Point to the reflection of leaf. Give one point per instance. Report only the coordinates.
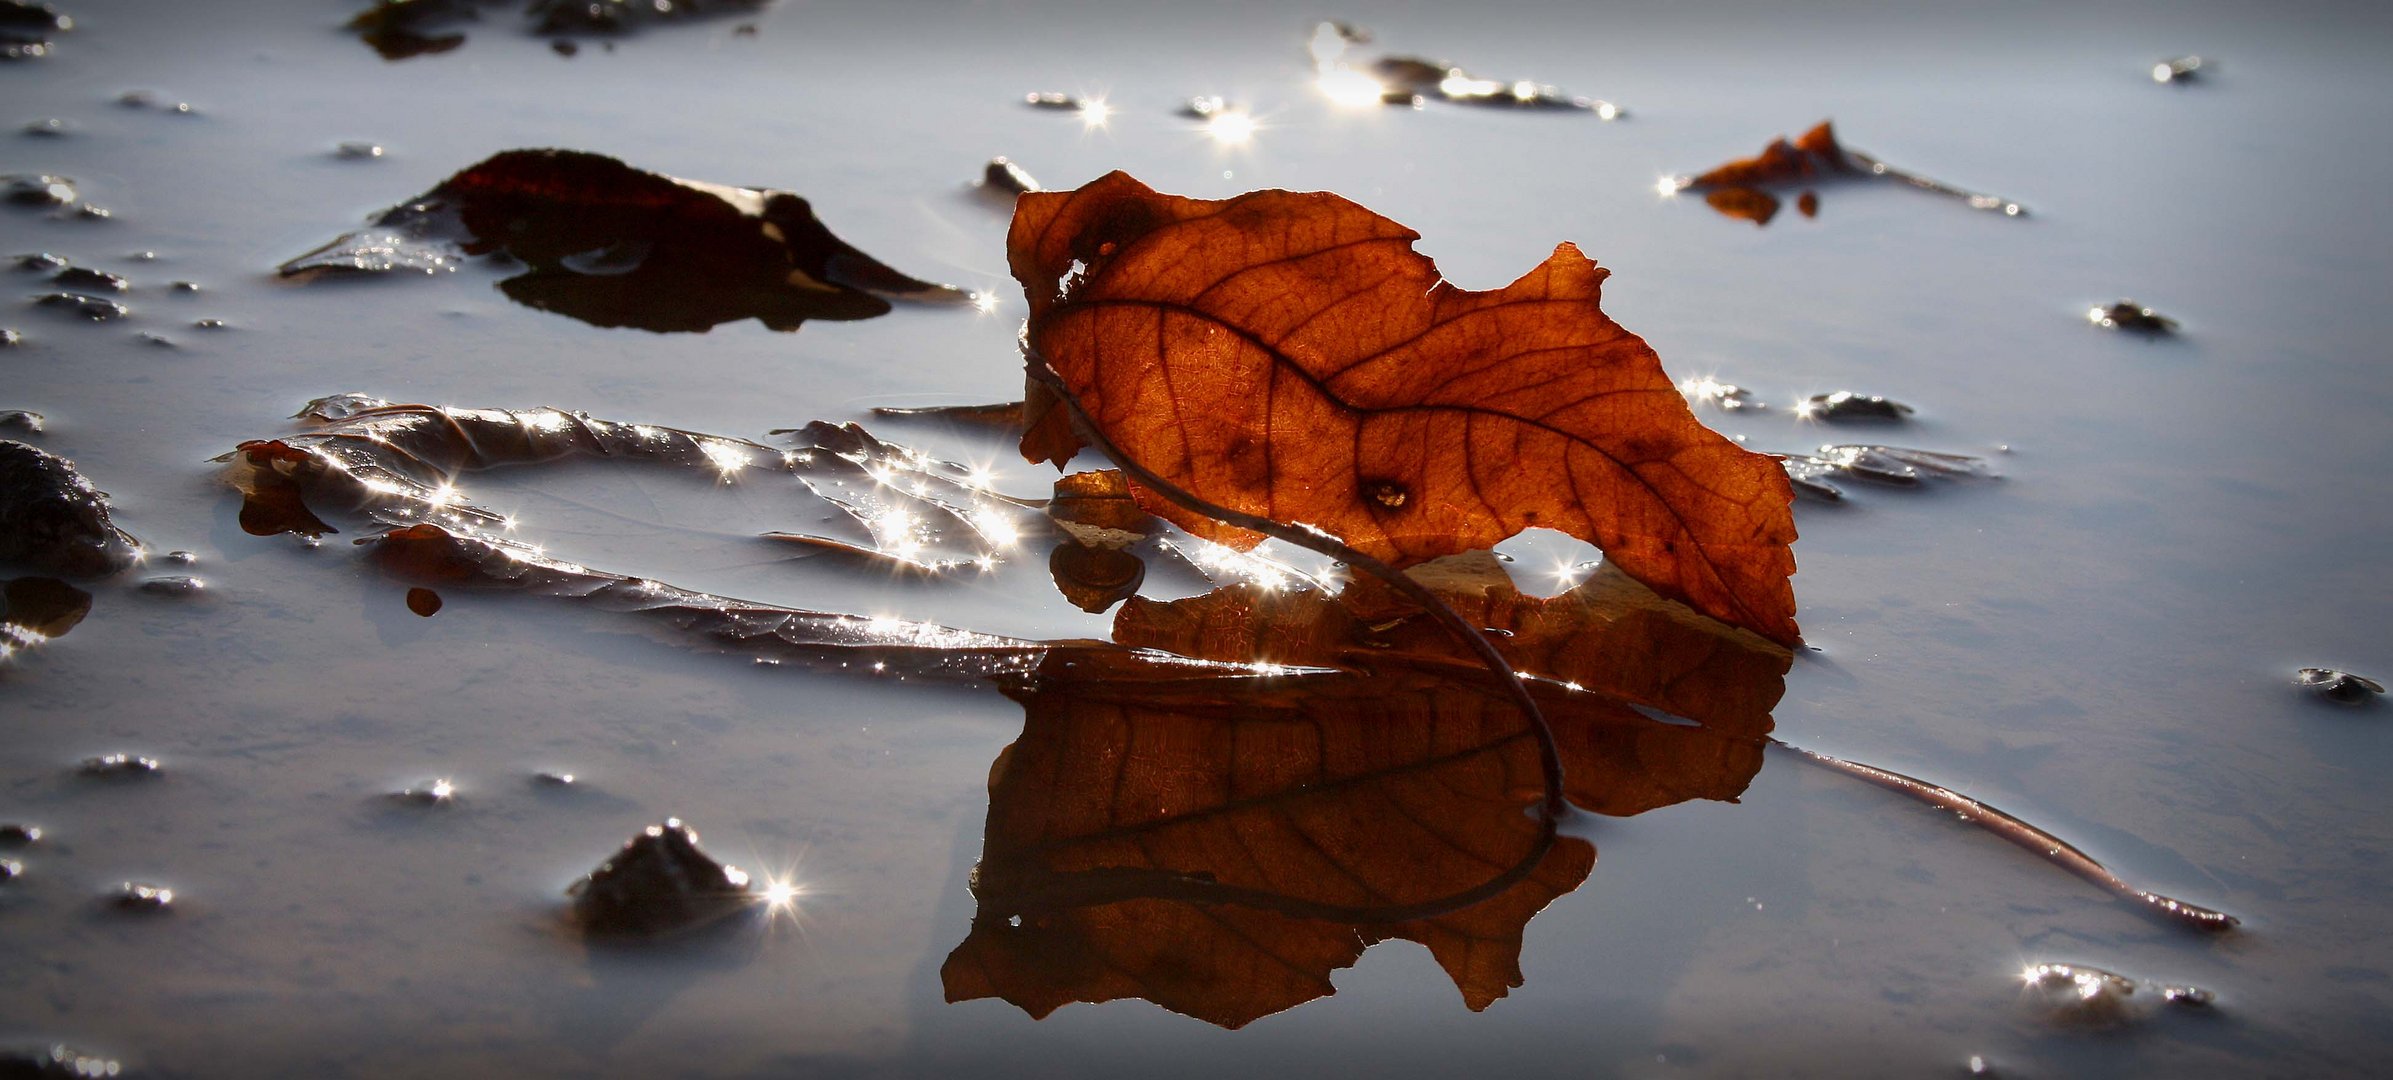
(1290, 356)
(1220, 846)
(612, 245)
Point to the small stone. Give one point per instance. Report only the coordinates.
(137, 99)
(564, 48)
(2188, 997)
(41, 261)
(17, 834)
(94, 213)
(10, 870)
(1051, 100)
(658, 883)
(1002, 175)
(174, 586)
(2341, 687)
(120, 767)
(545, 778)
(84, 277)
(158, 340)
(89, 307)
(48, 129)
(38, 190)
(185, 286)
(2183, 69)
(141, 897)
(2077, 995)
(181, 558)
(21, 420)
(2129, 315)
(357, 151)
(435, 793)
(143, 256)
(10, 339)
(211, 324)
(1847, 405)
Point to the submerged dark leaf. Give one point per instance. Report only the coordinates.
(612, 245)
(53, 520)
(1895, 465)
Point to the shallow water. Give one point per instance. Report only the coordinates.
(2101, 641)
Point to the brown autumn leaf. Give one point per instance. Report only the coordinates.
(1815, 154)
(1290, 356)
(1739, 188)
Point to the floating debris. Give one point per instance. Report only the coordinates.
(41, 262)
(141, 898)
(210, 324)
(612, 245)
(22, 420)
(120, 767)
(439, 792)
(659, 883)
(48, 129)
(423, 601)
(1004, 177)
(54, 520)
(1845, 405)
(83, 277)
(1053, 100)
(356, 151)
(97, 309)
(1737, 188)
(2183, 69)
(2129, 315)
(1406, 79)
(174, 586)
(545, 778)
(2342, 687)
(1002, 416)
(16, 834)
(37, 190)
(2188, 997)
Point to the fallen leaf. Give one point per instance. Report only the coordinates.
(612, 245)
(1290, 356)
(1739, 188)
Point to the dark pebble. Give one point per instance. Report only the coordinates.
(1847, 405)
(141, 897)
(658, 883)
(174, 586)
(120, 766)
(94, 213)
(40, 261)
(357, 151)
(2188, 997)
(1051, 100)
(39, 190)
(19, 834)
(2338, 686)
(10, 870)
(57, 1061)
(1004, 175)
(21, 420)
(84, 277)
(9, 338)
(565, 48)
(185, 286)
(210, 324)
(159, 340)
(48, 129)
(545, 778)
(431, 793)
(181, 558)
(2129, 315)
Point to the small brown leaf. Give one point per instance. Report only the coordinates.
(1290, 356)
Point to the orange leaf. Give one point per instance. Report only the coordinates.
(1290, 356)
